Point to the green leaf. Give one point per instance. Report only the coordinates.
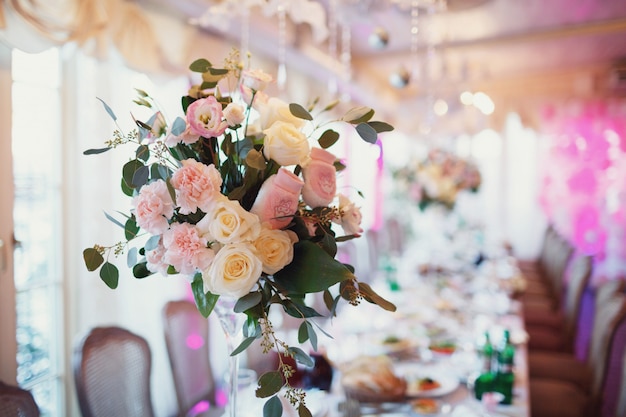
(204, 302)
(142, 153)
(131, 229)
(243, 346)
(303, 411)
(108, 109)
(200, 65)
(93, 259)
(131, 257)
(358, 115)
(126, 189)
(328, 139)
(110, 275)
(380, 127)
(331, 105)
(299, 111)
(95, 151)
(129, 170)
(312, 270)
(299, 310)
(371, 296)
(179, 126)
(108, 216)
(171, 190)
(273, 407)
(367, 133)
(248, 301)
(141, 93)
(302, 357)
(269, 384)
(312, 335)
(141, 270)
(255, 159)
(303, 333)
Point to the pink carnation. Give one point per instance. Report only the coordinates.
(153, 207)
(186, 250)
(155, 262)
(205, 117)
(197, 186)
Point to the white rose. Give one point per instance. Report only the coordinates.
(351, 216)
(234, 271)
(285, 144)
(275, 248)
(234, 114)
(227, 222)
(274, 110)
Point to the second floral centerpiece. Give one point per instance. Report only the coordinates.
(239, 195)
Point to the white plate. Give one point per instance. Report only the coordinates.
(448, 383)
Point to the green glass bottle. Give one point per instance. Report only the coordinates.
(486, 379)
(505, 378)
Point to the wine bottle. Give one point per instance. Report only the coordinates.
(485, 381)
(505, 377)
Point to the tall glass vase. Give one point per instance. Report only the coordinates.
(231, 323)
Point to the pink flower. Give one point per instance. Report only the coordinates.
(351, 217)
(234, 114)
(186, 250)
(197, 186)
(320, 185)
(255, 79)
(153, 207)
(155, 262)
(205, 117)
(277, 200)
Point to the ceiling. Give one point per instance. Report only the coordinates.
(515, 51)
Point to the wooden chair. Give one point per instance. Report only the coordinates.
(112, 369)
(621, 405)
(187, 341)
(17, 402)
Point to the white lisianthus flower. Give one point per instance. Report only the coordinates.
(275, 248)
(234, 270)
(285, 144)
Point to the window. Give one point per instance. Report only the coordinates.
(37, 162)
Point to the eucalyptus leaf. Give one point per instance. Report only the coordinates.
(152, 243)
(303, 411)
(243, 346)
(331, 105)
(142, 153)
(380, 126)
(299, 111)
(204, 301)
(370, 295)
(171, 190)
(303, 333)
(131, 229)
(301, 357)
(93, 258)
(95, 151)
(131, 257)
(141, 93)
(141, 176)
(273, 407)
(312, 335)
(247, 301)
(129, 169)
(200, 65)
(179, 126)
(358, 115)
(328, 139)
(108, 109)
(312, 270)
(218, 71)
(269, 384)
(141, 270)
(110, 275)
(367, 133)
(255, 159)
(126, 189)
(210, 78)
(108, 216)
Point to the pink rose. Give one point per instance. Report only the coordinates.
(320, 185)
(153, 207)
(197, 186)
(351, 216)
(205, 117)
(186, 250)
(278, 197)
(155, 260)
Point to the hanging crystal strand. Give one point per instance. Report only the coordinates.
(428, 64)
(245, 33)
(332, 44)
(414, 39)
(281, 77)
(346, 59)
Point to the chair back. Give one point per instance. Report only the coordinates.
(112, 369)
(621, 404)
(187, 341)
(579, 276)
(17, 402)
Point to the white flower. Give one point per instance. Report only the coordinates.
(285, 144)
(227, 222)
(275, 248)
(234, 114)
(234, 270)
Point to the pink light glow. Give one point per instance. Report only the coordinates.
(194, 341)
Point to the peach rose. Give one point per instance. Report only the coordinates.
(205, 117)
(285, 144)
(278, 197)
(228, 222)
(275, 248)
(186, 250)
(351, 216)
(234, 271)
(320, 179)
(197, 186)
(153, 207)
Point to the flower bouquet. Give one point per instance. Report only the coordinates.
(240, 196)
(438, 179)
